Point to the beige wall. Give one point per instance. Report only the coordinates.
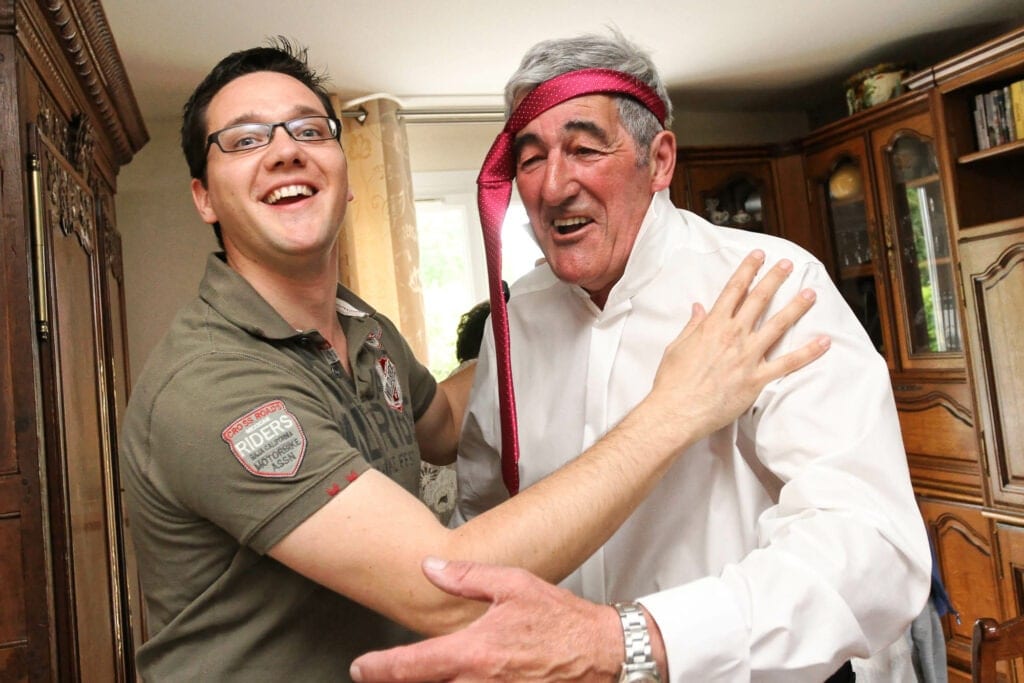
(738, 128)
(165, 243)
(449, 146)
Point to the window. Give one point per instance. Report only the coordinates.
(453, 270)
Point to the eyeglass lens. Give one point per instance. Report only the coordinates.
(246, 136)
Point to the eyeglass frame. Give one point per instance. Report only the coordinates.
(332, 122)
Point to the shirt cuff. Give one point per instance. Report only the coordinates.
(705, 635)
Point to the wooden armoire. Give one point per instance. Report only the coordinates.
(69, 601)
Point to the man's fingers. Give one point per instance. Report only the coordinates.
(432, 661)
(794, 360)
(736, 288)
(758, 299)
(697, 316)
(772, 329)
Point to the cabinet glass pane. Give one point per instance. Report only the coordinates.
(922, 239)
(736, 204)
(848, 220)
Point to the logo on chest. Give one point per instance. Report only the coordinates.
(389, 384)
(268, 441)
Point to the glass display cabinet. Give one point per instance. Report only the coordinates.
(729, 187)
(840, 176)
(880, 199)
(918, 245)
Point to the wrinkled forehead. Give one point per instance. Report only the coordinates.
(596, 115)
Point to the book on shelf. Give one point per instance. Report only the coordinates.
(999, 115)
(1017, 96)
(992, 107)
(1009, 129)
(981, 122)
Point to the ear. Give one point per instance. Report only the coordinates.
(663, 160)
(201, 198)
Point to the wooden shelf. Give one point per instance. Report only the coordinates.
(922, 181)
(1009, 149)
(847, 201)
(856, 271)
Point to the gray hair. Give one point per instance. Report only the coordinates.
(551, 58)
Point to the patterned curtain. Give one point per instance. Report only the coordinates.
(379, 256)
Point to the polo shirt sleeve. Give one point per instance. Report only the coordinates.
(249, 446)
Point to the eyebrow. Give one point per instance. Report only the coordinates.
(297, 111)
(574, 125)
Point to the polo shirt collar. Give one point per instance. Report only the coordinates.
(233, 297)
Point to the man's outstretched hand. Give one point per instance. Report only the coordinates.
(533, 631)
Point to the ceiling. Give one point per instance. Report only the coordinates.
(714, 54)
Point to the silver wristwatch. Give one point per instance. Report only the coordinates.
(639, 665)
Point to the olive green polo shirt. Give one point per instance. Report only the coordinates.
(239, 429)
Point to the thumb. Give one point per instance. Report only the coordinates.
(697, 316)
(464, 579)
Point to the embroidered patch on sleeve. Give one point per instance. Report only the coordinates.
(268, 441)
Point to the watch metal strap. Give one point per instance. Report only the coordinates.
(639, 657)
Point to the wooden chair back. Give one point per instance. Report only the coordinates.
(993, 642)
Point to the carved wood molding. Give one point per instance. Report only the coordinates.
(67, 198)
(998, 270)
(79, 29)
(936, 399)
(949, 523)
(111, 239)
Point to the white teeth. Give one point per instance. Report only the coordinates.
(568, 222)
(288, 191)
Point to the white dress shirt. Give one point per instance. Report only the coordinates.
(773, 550)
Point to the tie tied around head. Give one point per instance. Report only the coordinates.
(495, 190)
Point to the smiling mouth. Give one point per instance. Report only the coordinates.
(567, 226)
(289, 194)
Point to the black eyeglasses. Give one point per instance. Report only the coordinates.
(246, 136)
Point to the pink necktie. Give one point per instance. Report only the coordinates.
(495, 190)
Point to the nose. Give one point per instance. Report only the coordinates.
(283, 148)
(560, 183)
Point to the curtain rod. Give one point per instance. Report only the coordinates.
(466, 115)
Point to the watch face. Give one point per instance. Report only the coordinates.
(640, 677)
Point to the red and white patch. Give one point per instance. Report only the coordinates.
(268, 441)
(389, 383)
(372, 340)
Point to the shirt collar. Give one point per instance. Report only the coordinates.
(646, 258)
(233, 297)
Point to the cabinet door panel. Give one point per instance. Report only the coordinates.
(12, 588)
(76, 449)
(938, 426)
(993, 274)
(919, 251)
(968, 565)
(844, 204)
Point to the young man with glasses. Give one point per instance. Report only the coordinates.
(272, 444)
